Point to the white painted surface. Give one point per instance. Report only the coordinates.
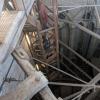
(1, 5)
(15, 72)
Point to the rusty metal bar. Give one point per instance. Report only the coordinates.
(77, 67)
(78, 55)
(55, 14)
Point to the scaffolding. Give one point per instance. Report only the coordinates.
(47, 53)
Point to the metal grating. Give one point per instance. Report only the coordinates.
(6, 21)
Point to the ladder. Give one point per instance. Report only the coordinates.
(35, 82)
(44, 42)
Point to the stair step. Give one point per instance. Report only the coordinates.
(50, 59)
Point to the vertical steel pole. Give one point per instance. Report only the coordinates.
(55, 14)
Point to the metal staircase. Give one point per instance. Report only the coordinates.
(11, 27)
(44, 41)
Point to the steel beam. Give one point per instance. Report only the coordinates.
(77, 67)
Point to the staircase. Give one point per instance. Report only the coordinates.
(44, 40)
(11, 27)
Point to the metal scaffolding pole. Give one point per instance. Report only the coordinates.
(95, 35)
(59, 70)
(74, 84)
(69, 69)
(69, 8)
(92, 82)
(77, 67)
(81, 57)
